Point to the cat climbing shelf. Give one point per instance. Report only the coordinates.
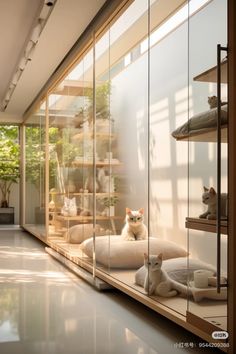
(207, 136)
(205, 225)
(90, 135)
(210, 75)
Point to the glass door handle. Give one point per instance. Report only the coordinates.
(218, 215)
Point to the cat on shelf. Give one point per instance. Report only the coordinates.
(212, 101)
(209, 197)
(134, 228)
(69, 208)
(157, 281)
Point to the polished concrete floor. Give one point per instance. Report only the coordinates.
(46, 309)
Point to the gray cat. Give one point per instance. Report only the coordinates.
(209, 197)
(134, 228)
(157, 281)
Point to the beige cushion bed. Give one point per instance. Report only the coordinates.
(181, 270)
(81, 232)
(113, 251)
(200, 122)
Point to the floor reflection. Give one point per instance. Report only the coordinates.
(46, 309)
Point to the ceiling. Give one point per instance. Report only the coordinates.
(67, 21)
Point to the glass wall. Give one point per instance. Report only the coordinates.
(168, 107)
(123, 131)
(35, 173)
(205, 159)
(71, 157)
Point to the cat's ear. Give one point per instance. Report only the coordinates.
(145, 256)
(128, 210)
(141, 211)
(205, 189)
(212, 191)
(160, 256)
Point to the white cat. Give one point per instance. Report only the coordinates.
(157, 281)
(90, 183)
(209, 197)
(106, 182)
(134, 228)
(69, 208)
(212, 101)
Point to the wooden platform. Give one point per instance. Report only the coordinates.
(206, 225)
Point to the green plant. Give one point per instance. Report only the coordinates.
(109, 201)
(61, 150)
(9, 162)
(102, 100)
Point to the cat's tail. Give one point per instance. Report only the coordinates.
(181, 288)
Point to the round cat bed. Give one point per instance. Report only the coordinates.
(181, 270)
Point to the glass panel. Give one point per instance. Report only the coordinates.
(168, 159)
(122, 142)
(71, 160)
(35, 173)
(203, 40)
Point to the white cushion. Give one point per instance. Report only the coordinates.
(115, 252)
(201, 121)
(79, 233)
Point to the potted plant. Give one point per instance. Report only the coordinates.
(9, 169)
(109, 204)
(102, 99)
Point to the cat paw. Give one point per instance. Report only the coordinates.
(174, 292)
(203, 216)
(211, 217)
(151, 291)
(141, 238)
(128, 238)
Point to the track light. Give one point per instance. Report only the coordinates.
(16, 77)
(36, 32)
(22, 63)
(49, 2)
(29, 49)
(44, 12)
(31, 53)
(8, 95)
(4, 105)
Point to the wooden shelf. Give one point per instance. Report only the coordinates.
(90, 135)
(208, 323)
(74, 88)
(206, 225)
(86, 218)
(210, 75)
(98, 164)
(89, 194)
(207, 135)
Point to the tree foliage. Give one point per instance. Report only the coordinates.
(9, 161)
